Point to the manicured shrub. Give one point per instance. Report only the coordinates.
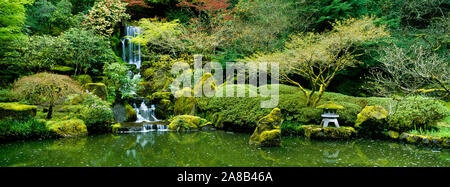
(242, 113)
(23, 129)
(45, 89)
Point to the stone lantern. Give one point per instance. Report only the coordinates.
(329, 113)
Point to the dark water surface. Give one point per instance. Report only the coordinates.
(214, 148)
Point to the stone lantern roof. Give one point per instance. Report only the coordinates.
(331, 105)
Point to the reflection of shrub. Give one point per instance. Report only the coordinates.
(45, 89)
(96, 114)
(22, 129)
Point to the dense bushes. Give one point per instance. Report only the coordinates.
(96, 114)
(244, 112)
(23, 129)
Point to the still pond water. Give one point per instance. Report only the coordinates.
(214, 148)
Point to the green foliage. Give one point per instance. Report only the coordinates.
(96, 114)
(81, 6)
(83, 79)
(12, 18)
(87, 51)
(163, 37)
(45, 88)
(23, 129)
(417, 113)
(118, 81)
(104, 16)
(242, 113)
(45, 17)
(67, 128)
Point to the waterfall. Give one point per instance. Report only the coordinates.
(131, 53)
(145, 114)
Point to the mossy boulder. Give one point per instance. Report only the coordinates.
(98, 89)
(67, 128)
(392, 134)
(185, 102)
(268, 132)
(164, 102)
(187, 122)
(372, 121)
(318, 132)
(16, 110)
(425, 140)
(207, 81)
(115, 127)
(131, 115)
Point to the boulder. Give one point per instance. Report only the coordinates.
(319, 132)
(425, 140)
(185, 102)
(98, 89)
(187, 122)
(267, 132)
(371, 121)
(67, 128)
(16, 110)
(206, 83)
(162, 101)
(392, 134)
(131, 115)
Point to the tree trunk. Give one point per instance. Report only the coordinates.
(50, 111)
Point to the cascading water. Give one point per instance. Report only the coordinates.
(131, 53)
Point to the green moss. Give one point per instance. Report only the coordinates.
(331, 105)
(67, 128)
(267, 132)
(393, 134)
(16, 110)
(187, 122)
(207, 80)
(62, 69)
(425, 140)
(318, 132)
(371, 112)
(184, 105)
(115, 128)
(131, 115)
(98, 89)
(83, 79)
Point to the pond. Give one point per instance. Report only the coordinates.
(214, 148)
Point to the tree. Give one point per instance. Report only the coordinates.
(12, 19)
(319, 57)
(45, 17)
(46, 89)
(411, 71)
(105, 15)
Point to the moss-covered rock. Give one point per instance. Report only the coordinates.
(131, 115)
(268, 132)
(185, 102)
(16, 110)
(164, 102)
(393, 134)
(187, 122)
(318, 132)
(115, 127)
(371, 121)
(207, 81)
(425, 140)
(98, 89)
(67, 128)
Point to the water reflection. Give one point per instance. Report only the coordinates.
(213, 148)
